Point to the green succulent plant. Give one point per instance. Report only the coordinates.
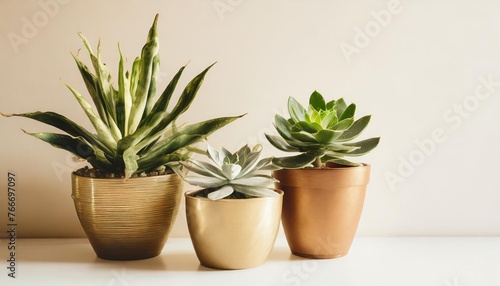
(238, 172)
(130, 122)
(321, 133)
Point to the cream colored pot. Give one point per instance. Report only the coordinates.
(233, 233)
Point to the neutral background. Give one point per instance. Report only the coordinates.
(428, 72)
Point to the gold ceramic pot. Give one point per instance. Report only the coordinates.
(127, 220)
(322, 208)
(233, 233)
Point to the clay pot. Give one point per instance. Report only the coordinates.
(322, 208)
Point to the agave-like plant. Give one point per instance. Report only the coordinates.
(130, 124)
(320, 133)
(237, 172)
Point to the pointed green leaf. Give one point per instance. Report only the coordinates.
(152, 86)
(282, 126)
(296, 110)
(140, 98)
(66, 125)
(343, 125)
(329, 120)
(338, 147)
(102, 130)
(348, 112)
(304, 137)
(296, 162)
(74, 145)
(364, 146)
(330, 104)
(161, 104)
(345, 162)
(280, 143)
(124, 99)
(305, 126)
(92, 84)
(356, 128)
(317, 101)
(326, 136)
(341, 106)
(147, 134)
(151, 163)
(191, 134)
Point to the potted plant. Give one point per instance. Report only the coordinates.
(233, 221)
(323, 192)
(128, 200)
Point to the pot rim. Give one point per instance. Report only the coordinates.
(365, 165)
(189, 194)
(74, 174)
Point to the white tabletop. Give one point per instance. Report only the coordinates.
(371, 261)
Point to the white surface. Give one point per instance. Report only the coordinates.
(371, 261)
(411, 76)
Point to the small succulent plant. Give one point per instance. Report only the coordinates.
(232, 173)
(130, 123)
(321, 133)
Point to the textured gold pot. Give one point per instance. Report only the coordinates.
(322, 208)
(127, 220)
(233, 233)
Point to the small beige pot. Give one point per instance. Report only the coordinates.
(322, 208)
(127, 220)
(233, 233)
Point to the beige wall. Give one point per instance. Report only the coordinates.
(419, 67)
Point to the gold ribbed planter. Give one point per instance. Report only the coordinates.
(127, 220)
(233, 233)
(322, 208)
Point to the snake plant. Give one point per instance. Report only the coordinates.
(321, 133)
(130, 124)
(237, 173)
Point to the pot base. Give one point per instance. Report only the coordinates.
(118, 255)
(319, 256)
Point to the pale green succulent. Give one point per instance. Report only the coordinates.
(130, 123)
(320, 133)
(232, 172)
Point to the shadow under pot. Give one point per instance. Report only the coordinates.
(322, 208)
(233, 233)
(127, 220)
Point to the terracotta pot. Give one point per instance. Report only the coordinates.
(321, 208)
(127, 220)
(233, 233)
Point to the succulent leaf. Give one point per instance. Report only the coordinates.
(348, 112)
(296, 110)
(320, 133)
(281, 144)
(344, 124)
(239, 171)
(356, 128)
(317, 101)
(221, 193)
